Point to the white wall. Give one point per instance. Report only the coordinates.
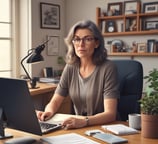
(86, 9)
(24, 29)
(31, 35)
(40, 35)
(71, 12)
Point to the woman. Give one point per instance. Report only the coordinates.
(88, 78)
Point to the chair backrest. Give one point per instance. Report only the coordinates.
(131, 84)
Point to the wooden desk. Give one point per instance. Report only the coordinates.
(43, 88)
(132, 139)
(42, 95)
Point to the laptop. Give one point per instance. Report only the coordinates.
(18, 108)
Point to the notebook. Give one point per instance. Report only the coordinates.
(120, 129)
(49, 80)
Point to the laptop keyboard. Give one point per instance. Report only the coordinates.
(47, 127)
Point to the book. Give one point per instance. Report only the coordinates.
(120, 129)
(103, 27)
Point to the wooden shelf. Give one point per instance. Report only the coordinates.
(132, 54)
(149, 32)
(126, 29)
(148, 14)
(110, 17)
(139, 18)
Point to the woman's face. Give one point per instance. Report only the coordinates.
(84, 43)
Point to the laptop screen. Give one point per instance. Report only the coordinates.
(17, 106)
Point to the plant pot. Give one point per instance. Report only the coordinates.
(149, 126)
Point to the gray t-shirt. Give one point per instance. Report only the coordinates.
(102, 84)
(83, 86)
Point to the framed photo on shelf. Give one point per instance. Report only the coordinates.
(50, 16)
(53, 45)
(150, 7)
(141, 47)
(115, 9)
(151, 25)
(131, 7)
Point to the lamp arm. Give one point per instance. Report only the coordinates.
(24, 66)
(46, 41)
(41, 47)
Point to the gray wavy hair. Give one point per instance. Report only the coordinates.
(100, 53)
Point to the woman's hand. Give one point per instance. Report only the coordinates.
(74, 122)
(43, 116)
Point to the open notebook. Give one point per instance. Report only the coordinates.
(59, 117)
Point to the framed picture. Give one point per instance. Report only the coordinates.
(141, 47)
(151, 25)
(115, 8)
(50, 16)
(53, 45)
(150, 7)
(130, 7)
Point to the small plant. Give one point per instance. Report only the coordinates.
(149, 103)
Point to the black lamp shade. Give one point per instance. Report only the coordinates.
(35, 58)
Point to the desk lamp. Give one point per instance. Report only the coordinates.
(35, 56)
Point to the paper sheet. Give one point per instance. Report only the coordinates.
(58, 118)
(71, 138)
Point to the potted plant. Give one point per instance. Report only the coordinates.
(149, 106)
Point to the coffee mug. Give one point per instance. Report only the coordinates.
(134, 121)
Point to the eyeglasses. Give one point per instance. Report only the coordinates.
(86, 40)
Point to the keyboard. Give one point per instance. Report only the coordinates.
(47, 127)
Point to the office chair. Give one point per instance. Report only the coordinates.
(131, 83)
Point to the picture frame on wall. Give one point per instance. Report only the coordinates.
(50, 16)
(115, 8)
(131, 7)
(53, 45)
(150, 7)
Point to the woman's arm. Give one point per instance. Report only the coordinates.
(51, 108)
(109, 115)
(60, 93)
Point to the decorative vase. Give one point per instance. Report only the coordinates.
(149, 126)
